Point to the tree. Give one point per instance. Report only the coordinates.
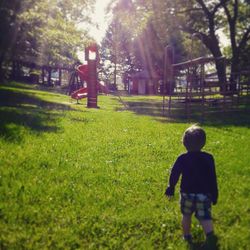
(42, 31)
(52, 39)
(115, 49)
(143, 35)
(8, 29)
(118, 46)
(238, 20)
(154, 24)
(206, 18)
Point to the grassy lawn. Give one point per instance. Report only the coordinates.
(78, 178)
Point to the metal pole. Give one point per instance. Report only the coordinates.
(164, 81)
(169, 69)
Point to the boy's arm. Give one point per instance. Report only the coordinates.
(214, 186)
(174, 177)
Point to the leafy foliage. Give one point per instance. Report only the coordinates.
(43, 31)
(191, 27)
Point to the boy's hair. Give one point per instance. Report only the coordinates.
(194, 138)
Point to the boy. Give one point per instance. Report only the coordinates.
(198, 184)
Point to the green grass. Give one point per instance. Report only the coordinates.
(78, 178)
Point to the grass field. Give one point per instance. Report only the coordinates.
(78, 178)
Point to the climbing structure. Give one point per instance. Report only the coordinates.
(195, 83)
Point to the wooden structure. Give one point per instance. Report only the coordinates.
(194, 83)
(144, 83)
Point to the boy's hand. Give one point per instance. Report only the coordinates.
(169, 192)
(213, 199)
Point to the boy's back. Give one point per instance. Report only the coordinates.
(198, 182)
(198, 173)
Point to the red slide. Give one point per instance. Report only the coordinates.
(80, 93)
(82, 71)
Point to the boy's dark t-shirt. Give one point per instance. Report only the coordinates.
(198, 174)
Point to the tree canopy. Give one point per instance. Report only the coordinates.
(151, 25)
(43, 31)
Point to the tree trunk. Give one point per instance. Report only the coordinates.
(43, 75)
(2, 73)
(49, 77)
(115, 75)
(212, 43)
(60, 77)
(235, 61)
(13, 74)
(221, 73)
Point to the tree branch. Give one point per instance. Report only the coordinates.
(210, 17)
(188, 10)
(220, 4)
(189, 30)
(236, 5)
(204, 8)
(229, 17)
(244, 39)
(232, 22)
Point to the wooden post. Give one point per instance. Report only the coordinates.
(202, 85)
(169, 84)
(187, 97)
(168, 80)
(91, 56)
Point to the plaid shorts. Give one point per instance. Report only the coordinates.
(200, 204)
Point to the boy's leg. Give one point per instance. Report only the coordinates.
(207, 226)
(203, 213)
(211, 239)
(187, 209)
(186, 224)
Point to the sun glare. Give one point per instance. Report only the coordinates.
(100, 23)
(100, 19)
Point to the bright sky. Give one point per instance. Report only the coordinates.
(100, 20)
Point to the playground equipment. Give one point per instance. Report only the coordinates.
(195, 83)
(91, 57)
(79, 94)
(82, 72)
(83, 82)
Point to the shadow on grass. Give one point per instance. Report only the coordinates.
(145, 108)
(18, 110)
(211, 243)
(31, 86)
(214, 115)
